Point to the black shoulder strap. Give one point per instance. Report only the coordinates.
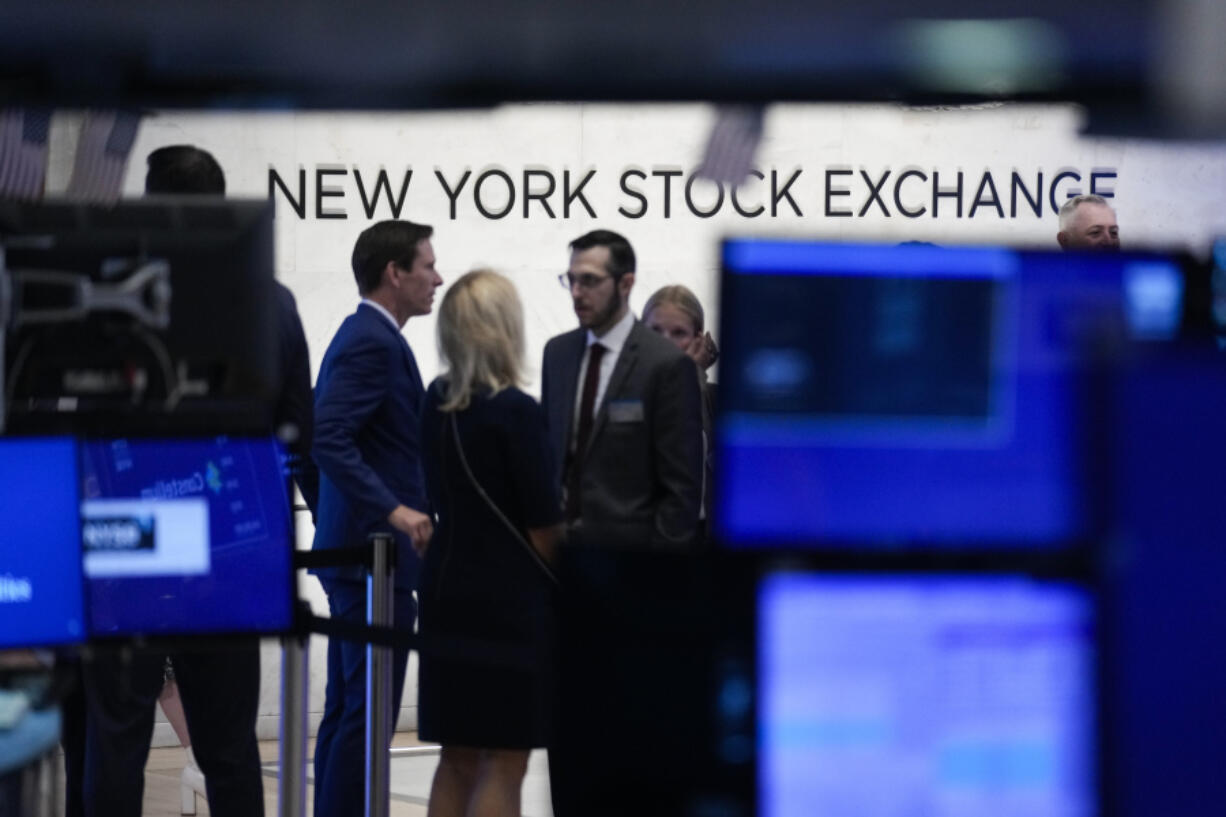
(519, 537)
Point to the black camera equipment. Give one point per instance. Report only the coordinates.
(147, 317)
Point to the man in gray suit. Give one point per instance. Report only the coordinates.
(624, 411)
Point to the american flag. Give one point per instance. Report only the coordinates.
(732, 145)
(102, 155)
(23, 152)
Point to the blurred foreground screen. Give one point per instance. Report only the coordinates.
(1164, 617)
(189, 536)
(917, 397)
(40, 543)
(887, 696)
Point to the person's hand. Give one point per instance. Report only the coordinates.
(414, 524)
(703, 350)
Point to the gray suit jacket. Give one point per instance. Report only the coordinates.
(642, 471)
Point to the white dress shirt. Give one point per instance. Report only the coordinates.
(382, 311)
(612, 341)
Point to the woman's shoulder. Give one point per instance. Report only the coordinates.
(509, 402)
(437, 390)
(512, 400)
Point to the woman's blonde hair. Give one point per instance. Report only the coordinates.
(680, 297)
(480, 337)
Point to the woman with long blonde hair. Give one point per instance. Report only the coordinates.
(486, 579)
(676, 313)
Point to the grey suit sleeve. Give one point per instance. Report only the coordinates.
(677, 449)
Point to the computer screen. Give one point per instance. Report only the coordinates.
(150, 317)
(914, 397)
(40, 543)
(1163, 616)
(892, 695)
(186, 536)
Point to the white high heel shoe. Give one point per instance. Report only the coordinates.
(191, 783)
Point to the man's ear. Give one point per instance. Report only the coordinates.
(389, 274)
(1062, 238)
(625, 284)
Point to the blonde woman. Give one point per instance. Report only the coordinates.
(485, 581)
(675, 312)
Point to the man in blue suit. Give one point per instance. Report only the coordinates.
(367, 399)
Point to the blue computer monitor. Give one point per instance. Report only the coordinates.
(891, 695)
(917, 397)
(40, 543)
(1163, 613)
(186, 536)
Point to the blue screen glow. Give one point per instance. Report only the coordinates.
(892, 696)
(186, 536)
(40, 543)
(916, 396)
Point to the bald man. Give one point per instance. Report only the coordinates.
(1088, 223)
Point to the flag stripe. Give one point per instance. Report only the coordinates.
(23, 152)
(105, 143)
(732, 145)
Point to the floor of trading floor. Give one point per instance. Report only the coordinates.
(410, 781)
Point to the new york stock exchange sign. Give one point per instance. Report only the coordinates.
(330, 192)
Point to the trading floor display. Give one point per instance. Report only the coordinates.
(902, 694)
(918, 398)
(974, 487)
(41, 595)
(186, 536)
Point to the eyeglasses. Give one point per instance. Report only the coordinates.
(586, 282)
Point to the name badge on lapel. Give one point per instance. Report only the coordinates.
(626, 411)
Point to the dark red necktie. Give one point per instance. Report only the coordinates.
(587, 406)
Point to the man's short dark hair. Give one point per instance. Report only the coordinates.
(184, 169)
(621, 254)
(391, 240)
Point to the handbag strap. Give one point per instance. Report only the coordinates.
(519, 537)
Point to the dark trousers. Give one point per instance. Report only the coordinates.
(220, 690)
(634, 649)
(340, 747)
(72, 735)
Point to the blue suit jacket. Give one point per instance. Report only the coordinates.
(368, 401)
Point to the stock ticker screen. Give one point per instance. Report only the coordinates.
(903, 397)
(40, 544)
(892, 696)
(186, 536)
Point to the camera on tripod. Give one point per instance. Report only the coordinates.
(150, 317)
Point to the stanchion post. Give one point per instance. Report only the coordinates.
(295, 690)
(379, 715)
